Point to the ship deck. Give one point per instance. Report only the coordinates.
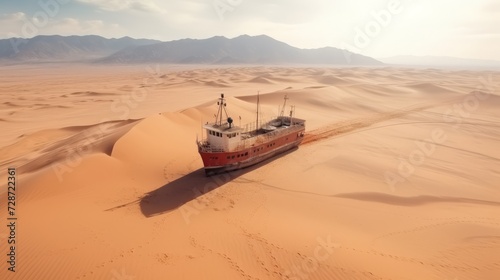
(271, 130)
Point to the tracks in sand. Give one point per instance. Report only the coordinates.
(349, 126)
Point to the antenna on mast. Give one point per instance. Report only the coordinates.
(282, 113)
(222, 107)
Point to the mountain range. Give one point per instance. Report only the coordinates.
(64, 48)
(244, 49)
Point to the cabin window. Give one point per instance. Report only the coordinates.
(246, 154)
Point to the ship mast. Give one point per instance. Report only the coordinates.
(282, 113)
(222, 107)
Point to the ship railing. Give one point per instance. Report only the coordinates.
(222, 126)
(249, 138)
(262, 138)
(250, 128)
(205, 146)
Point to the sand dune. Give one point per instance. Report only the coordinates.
(260, 80)
(216, 84)
(51, 146)
(397, 177)
(11, 104)
(413, 201)
(330, 80)
(90, 93)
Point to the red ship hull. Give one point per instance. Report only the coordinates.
(218, 162)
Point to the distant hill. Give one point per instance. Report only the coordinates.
(445, 61)
(216, 50)
(243, 49)
(64, 48)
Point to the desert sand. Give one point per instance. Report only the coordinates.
(398, 176)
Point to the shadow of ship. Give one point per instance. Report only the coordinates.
(191, 186)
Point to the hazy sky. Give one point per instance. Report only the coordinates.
(377, 28)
